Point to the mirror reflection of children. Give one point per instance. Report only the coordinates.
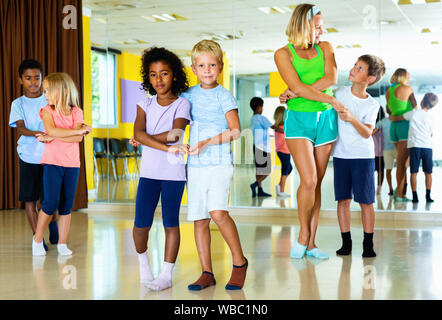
(262, 149)
(282, 151)
(419, 143)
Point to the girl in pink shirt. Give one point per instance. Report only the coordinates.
(282, 151)
(64, 130)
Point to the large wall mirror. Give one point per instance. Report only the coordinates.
(404, 33)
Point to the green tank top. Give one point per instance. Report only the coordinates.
(309, 71)
(396, 106)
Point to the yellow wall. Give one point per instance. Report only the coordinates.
(87, 101)
(276, 85)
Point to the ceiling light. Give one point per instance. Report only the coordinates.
(278, 9)
(331, 30)
(101, 20)
(434, 42)
(418, 1)
(425, 30)
(266, 10)
(149, 18)
(168, 16)
(156, 16)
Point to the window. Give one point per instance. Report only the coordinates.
(104, 106)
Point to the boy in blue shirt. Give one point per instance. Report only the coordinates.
(215, 123)
(25, 117)
(259, 125)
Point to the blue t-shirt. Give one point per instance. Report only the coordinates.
(29, 149)
(384, 125)
(259, 126)
(207, 109)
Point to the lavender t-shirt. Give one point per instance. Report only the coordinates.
(157, 164)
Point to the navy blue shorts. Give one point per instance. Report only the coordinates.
(418, 154)
(286, 166)
(354, 177)
(31, 182)
(59, 185)
(148, 195)
(379, 164)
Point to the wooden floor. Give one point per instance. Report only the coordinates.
(104, 264)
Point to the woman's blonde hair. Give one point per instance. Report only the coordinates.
(299, 29)
(207, 46)
(62, 89)
(278, 116)
(399, 76)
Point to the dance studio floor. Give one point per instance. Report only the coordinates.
(104, 264)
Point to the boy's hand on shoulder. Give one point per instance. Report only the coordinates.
(197, 148)
(178, 148)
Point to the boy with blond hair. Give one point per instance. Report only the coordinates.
(353, 154)
(215, 123)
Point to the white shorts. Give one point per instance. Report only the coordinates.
(208, 190)
(389, 156)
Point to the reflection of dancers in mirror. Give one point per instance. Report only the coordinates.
(282, 152)
(400, 99)
(308, 67)
(159, 127)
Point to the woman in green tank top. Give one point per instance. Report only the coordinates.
(400, 99)
(309, 69)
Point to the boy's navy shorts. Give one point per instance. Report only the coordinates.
(31, 182)
(418, 154)
(354, 177)
(148, 195)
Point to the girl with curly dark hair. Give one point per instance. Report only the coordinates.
(159, 127)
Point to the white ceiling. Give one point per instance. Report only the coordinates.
(400, 43)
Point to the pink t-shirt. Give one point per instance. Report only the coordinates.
(61, 153)
(280, 145)
(157, 164)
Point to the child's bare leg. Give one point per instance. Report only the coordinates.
(64, 223)
(344, 219)
(141, 237)
(368, 218)
(31, 214)
(282, 182)
(202, 241)
(230, 234)
(388, 176)
(37, 241)
(164, 280)
(428, 182)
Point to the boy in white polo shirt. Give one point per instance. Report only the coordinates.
(420, 144)
(353, 154)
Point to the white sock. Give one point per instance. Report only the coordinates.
(37, 248)
(63, 250)
(164, 280)
(145, 271)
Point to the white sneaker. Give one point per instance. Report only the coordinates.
(278, 190)
(279, 193)
(63, 250)
(37, 248)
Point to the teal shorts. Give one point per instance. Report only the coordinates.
(318, 127)
(399, 130)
